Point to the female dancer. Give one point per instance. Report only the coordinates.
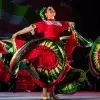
(51, 29)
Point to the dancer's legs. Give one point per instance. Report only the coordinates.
(44, 94)
(52, 94)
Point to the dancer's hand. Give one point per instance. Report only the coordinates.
(71, 24)
(14, 35)
(71, 27)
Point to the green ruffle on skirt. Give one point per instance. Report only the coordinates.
(74, 80)
(44, 75)
(95, 58)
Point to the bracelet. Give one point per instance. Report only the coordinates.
(33, 25)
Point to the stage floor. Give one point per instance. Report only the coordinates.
(37, 96)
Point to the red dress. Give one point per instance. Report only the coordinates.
(51, 30)
(4, 74)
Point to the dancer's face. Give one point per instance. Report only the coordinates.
(50, 13)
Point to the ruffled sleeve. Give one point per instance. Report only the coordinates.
(65, 25)
(40, 27)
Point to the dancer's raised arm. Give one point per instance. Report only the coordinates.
(25, 30)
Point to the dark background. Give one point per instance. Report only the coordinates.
(85, 14)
